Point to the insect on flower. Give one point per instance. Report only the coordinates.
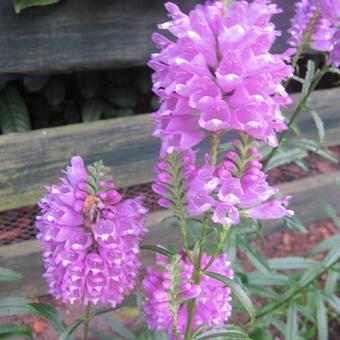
(91, 210)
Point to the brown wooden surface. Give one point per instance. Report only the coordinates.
(31, 160)
(87, 34)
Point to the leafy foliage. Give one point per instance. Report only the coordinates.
(20, 5)
(13, 111)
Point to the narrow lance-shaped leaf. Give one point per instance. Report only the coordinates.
(9, 275)
(238, 291)
(291, 331)
(321, 316)
(291, 262)
(319, 125)
(254, 256)
(308, 79)
(51, 315)
(13, 112)
(118, 328)
(156, 249)
(9, 331)
(226, 332)
(19, 5)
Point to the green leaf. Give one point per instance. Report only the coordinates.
(308, 79)
(100, 335)
(319, 125)
(8, 331)
(329, 243)
(254, 256)
(122, 97)
(51, 315)
(291, 331)
(330, 211)
(256, 278)
(285, 156)
(92, 110)
(333, 300)
(88, 83)
(19, 5)
(67, 333)
(230, 245)
(291, 262)
(9, 275)
(262, 291)
(55, 91)
(238, 291)
(314, 147)
(332, 257)
(230, 332)
(118, 328)
(260, 334)
(15, 306)
(302, 164)
(331, 282)
(294, 223)
(35, 83)
(14, 115)
(156, 249)
(321, 316)
(306, 312)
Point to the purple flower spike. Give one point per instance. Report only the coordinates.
(217, 74)
(213, 298)
(90, 237)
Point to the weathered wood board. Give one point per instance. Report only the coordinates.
(31, 160)
(87, 34)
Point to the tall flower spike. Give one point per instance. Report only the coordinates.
(90, 237)
(218, 74)
(316, 23)
(213, 298)
(237, 187)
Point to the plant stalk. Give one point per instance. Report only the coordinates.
(87, 319)
(297, 110)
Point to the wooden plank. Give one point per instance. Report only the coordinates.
(31, 160)
(25, 257)
(87, 34)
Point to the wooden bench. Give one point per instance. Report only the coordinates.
(87, 34)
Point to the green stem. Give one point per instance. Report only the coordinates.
(306, 37)
(214, 143)
(295, 292)
(87, 319)
(297, 110)
(182, 223)
(226, 4)
(219, 247)
(197, 277)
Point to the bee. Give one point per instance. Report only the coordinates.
(91, 210)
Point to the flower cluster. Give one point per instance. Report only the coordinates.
(236, 187)
(317, 21)
(213, 298)
(90, 237)
(218, 74)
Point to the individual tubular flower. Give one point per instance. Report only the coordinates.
(213, 298)
(218, 74)
(237, 187)
(90, 237)
(316, 24)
